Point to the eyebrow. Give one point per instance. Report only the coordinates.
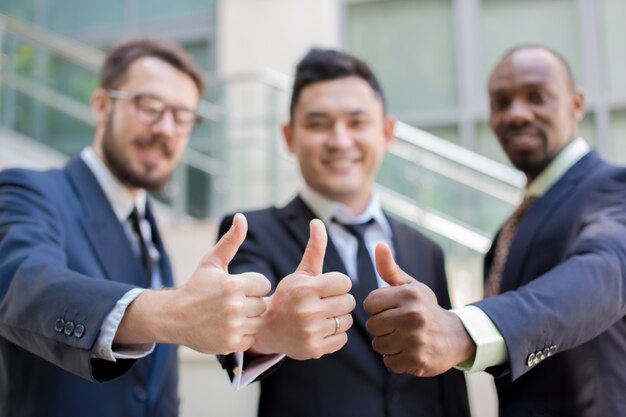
(503, 90)
(315, 113)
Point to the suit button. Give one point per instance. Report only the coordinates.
(546, 353)
(69, 328)
(537, 357)
(79, 331)
(141, 394)
(552, 350)
(531, 360)
(59, 324)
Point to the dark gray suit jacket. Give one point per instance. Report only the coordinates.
(564, 287)
(353, 381)
(64, 262)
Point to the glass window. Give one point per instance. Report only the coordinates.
(70, 16)
(146, 10)
(410, 46)
(19, 9)
(505, 23)
(614, 12)
(203, 52)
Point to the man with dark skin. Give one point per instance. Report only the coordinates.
(551, 328)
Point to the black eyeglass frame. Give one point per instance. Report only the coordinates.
(136, 98)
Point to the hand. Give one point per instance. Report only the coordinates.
(213, 312)
(299, 320)
(413, 333)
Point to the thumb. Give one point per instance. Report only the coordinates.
(387, 267)
(312, 262)
(228, 245)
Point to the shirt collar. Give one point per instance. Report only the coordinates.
(566, 159)
(120, 197)
(326, 209)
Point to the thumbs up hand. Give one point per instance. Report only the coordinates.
(213, 312)
(309, 312)
(412, 332)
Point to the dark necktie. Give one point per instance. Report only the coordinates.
(365, 268)
(146, 261)
(493, 284)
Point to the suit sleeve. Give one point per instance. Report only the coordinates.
(46, 308)
(580, 297)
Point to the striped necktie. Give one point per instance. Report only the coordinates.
(493, 284)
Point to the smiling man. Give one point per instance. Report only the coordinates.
(339, 131)
(86, 326)
(551, 328)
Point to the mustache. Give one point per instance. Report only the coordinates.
(527, 129)
(155, 141)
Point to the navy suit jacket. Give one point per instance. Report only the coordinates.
(353, 381)
(564, 286)
(64, 262)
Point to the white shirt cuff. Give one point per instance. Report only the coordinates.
(103, 348)
(490, 346)
(243, 377)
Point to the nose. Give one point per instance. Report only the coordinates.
(340, 136)
(519, 113)
(166, 125)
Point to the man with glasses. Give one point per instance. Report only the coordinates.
(82, 264)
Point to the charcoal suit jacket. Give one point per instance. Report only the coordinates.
(354, 380)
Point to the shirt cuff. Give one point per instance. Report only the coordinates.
(103, 348)
(490, 346)
(243, 377)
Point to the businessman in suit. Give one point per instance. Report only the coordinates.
(85, 326)
(339, 132)
(551, 328)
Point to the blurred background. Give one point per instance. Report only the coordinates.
(445, 173)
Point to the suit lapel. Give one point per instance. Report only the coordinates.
(536, 217)
(404, 251)
(105, 232)
(297, 216)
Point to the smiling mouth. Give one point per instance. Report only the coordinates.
(340, 163)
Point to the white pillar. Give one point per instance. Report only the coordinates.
(252, 34)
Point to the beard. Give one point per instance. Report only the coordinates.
(120, 165)
(529, 162)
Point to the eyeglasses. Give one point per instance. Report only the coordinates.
(150, 109)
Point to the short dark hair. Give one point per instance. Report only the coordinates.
(568, 69)
(114, 71)
(328, 64)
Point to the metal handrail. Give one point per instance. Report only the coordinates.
(453, 230)
(460, 155)
(87, 56)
